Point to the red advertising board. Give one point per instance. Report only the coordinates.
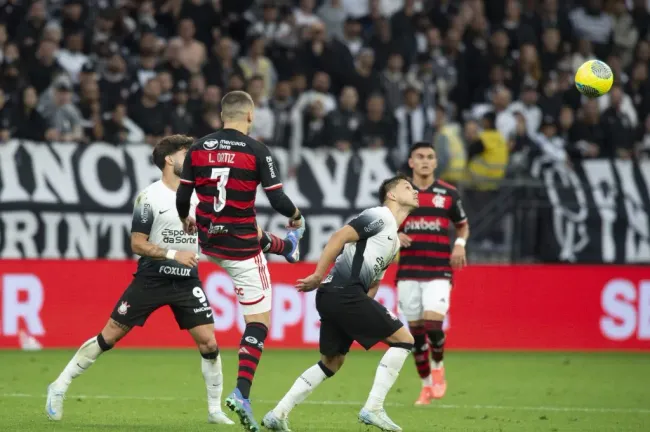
(62, 303)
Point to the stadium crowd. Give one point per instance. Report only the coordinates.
(490, 82)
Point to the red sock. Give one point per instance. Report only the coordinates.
(273, 244)
(250, 352)
(436, 338)
(421, 351)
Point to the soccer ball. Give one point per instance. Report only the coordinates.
(594, 78)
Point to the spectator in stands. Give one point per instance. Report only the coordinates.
(527, 106)
(173, 63)
(393, 81)
(72, 58)
(222, 64)
(618, 128)
(281, 105)
(256, 63)
(382, 43)
(152, 116)
(262, 128)
(450, 149)
(193, 54)
(212, 99)
(42, 70)
(487, 154)
(333, 16)
(304, 105)
(549, 143)
(592, 23)
(62, 115)
(182, 118)
(31, 29)
(588, 134)
(91, 112)
(641, 17)
(27, 122)
(304, 14)
(551, 52)
(379, 127)
(366, 79)
(415, 122)
(114, 83)
(341, 128)
(625, 35)
(270, 27)
(639, 90)
(117, 128)
(11, 79)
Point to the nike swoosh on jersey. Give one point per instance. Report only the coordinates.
(208, 315)
(163, 211)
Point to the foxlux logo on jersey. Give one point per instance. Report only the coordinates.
(177, 237)
(422, 225)
(175, 271)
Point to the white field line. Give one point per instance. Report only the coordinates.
(359, 403)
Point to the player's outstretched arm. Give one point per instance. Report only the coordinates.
(347, 234)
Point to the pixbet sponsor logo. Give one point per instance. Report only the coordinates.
(422, 224)
(626, 310)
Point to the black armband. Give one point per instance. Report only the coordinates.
(183, 197)
(281, 202)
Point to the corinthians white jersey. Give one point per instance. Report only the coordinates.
(363, 263)
(155, 214)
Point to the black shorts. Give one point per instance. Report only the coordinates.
(347, 315)
(144, 295)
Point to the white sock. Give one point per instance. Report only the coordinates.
(387, 371)
(436, 365)
(82, 360)
(427, 381)
(304, 385)
(213, 377)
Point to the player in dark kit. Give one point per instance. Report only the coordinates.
(425, 266)
(348, 310)
(225, 168)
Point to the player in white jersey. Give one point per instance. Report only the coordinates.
(348, 311)
(167, 275)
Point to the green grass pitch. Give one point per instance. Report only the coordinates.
(133, 390)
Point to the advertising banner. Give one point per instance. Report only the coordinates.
(66, 201)
(62, 303)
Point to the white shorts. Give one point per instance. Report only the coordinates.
(415, 297)
(251, 281)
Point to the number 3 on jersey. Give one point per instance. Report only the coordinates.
(220, 199)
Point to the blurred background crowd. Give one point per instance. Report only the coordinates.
(489, 82)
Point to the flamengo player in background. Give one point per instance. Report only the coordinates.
(425, 267)
(165, 277)
(225, 168)
(348, 310)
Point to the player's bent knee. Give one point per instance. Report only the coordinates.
(208, 346)
(405, 345)
(331, 364)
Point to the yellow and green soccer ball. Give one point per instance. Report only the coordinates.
(594, 78)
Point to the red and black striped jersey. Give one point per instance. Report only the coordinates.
(225, 169)
(428, 227)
